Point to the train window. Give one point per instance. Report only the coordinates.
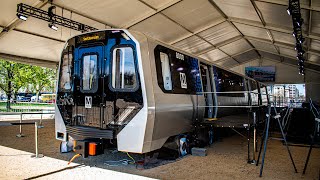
(166, 72)
(227, 82)
(123, 69)
(89, 73)
(65, 72)
(177, 73)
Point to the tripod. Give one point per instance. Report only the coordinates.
(265, 137)
(315, 134)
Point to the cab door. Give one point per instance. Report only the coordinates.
(207, 88)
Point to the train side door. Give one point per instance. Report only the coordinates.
(208, 91)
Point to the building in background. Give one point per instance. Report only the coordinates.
(293, 92)
(286, 93)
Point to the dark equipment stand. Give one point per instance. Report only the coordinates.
(315, 134)
(265, 137)
(239, 122)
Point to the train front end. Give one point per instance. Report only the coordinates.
(101, 94)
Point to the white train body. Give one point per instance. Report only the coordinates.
(124, 86)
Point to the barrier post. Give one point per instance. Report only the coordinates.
(254, 137)
(37, 155)
(20, 131)
(40, 125)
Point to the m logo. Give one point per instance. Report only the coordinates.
(183, 80)
(88, 102)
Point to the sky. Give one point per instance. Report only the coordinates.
(301, 88)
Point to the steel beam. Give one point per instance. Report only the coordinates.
(259, 14)
(244, 62)
(230, 23)
(286, 56)
(275, 61)
(193, 33)
(156, 11)
(38, 35)
(234, 55)
(35, 34)
(226, 42)
(284, 3)
(38, 13)
(273, 28)
(84, 15)
(281, 62)
(309, 31)
(281, 44)
(28, 60)
(16, 21)
(198, 31)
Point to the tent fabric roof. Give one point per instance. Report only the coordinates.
(226, 32)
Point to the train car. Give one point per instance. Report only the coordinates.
(123, 86)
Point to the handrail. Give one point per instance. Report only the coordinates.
(21, 118)
(18, 113)
(229, 92)
(245, 106)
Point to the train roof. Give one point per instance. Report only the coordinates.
(168, 46)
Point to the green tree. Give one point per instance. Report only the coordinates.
(13, 76)
(42, 78)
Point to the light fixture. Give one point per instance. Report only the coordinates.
(298, 47)
(52, 26)
(301, 71)
(301, 52)
(301, 39)
(51, 17)
(297, 22)
(22, 17)
(289, 11)
(300, 22)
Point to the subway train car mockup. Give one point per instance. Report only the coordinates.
(125, 87)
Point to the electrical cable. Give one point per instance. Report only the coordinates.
(131, 158)
(118, 163)
(73, 158)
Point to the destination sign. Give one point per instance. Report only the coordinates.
(92, 37)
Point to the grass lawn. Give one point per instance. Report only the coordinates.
(25, 107)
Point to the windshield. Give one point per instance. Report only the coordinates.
(65, 72)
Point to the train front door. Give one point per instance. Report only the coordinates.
(89, 89)
(207, 89)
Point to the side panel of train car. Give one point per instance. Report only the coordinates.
(124, 86)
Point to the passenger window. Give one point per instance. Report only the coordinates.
(166, 73)
(89, 75)
(228, 82)
(123, 69)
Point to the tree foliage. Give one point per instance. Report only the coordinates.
(14, 76)
(42, 78)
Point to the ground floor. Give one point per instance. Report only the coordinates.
(226, 159)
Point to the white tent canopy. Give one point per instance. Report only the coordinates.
(229, 33)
